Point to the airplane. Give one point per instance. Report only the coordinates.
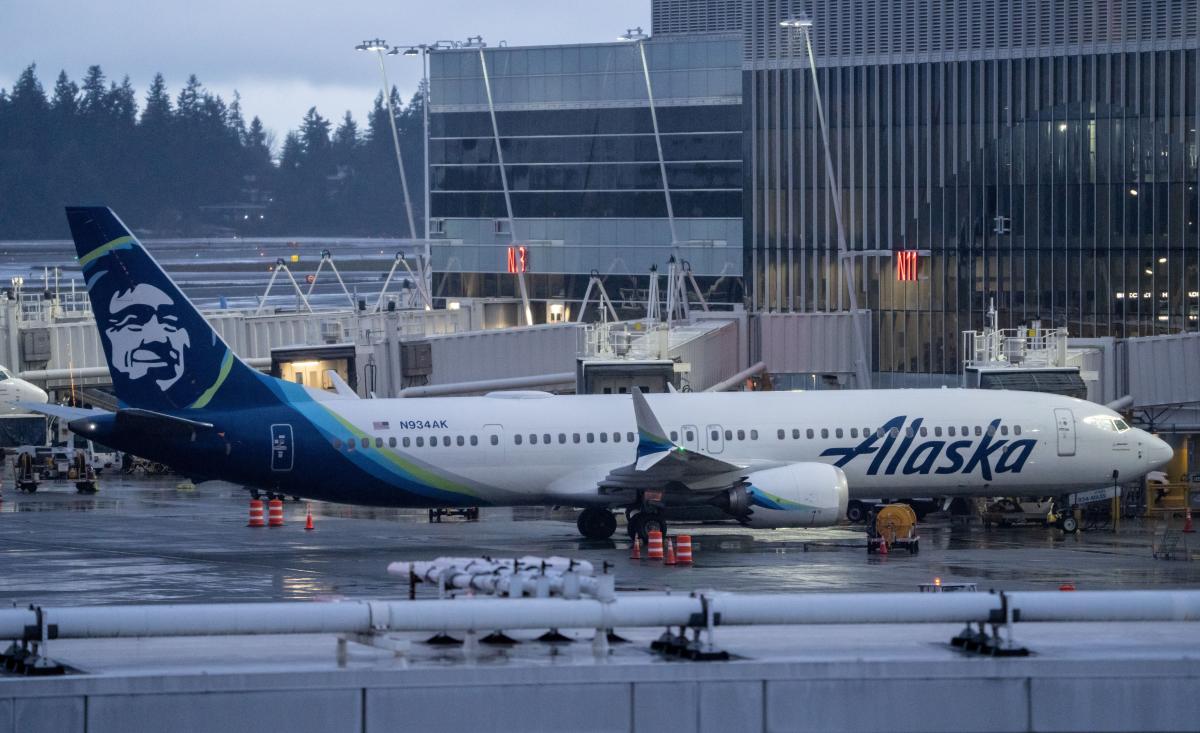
(14, 391)
(767, 459)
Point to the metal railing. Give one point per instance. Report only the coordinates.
(1041, 347)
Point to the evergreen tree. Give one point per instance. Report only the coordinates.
(65, 101)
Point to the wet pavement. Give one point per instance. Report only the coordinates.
(145, 540)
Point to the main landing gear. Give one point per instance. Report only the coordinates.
(642, 523)
(596, 523)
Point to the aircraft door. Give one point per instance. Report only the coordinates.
(1064, 421)
(690, 437)
(714, 440)
(282, 455)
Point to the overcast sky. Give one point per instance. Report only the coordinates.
(283, 57)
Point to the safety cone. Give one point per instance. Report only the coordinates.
(683, 549)
(256, 514)
(635, 549)
(308, 523)
(654, 545)
(670, 553)
(1187, 521)
(275, 513)
(883, 548)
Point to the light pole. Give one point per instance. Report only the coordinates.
(863, 372)
(378, 45)
(423, 49)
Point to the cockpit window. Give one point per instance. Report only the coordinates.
(1121, 425)
(4, 375)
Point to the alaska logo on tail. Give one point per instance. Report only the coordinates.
(162, 354)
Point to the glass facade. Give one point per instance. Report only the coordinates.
(1044, 160)
(574, 142)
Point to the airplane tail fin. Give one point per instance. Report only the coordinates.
(161, 352)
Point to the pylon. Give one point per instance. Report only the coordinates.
(635, 549)
(256, 514)
(670, 553)
(308, 523)
(275, 513)
(1187, 521)
(883, 548)
(654, 545)
(683, 551)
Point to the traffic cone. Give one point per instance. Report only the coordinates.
(256, 514)
(1187, 521)
(683, 550)
(308, 523)
(635, 549)
(654, 545)
(275, 513)
(883, 548)
(670, 553)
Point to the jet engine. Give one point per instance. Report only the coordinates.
(796, 495)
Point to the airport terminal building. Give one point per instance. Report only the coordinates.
(1041, 155)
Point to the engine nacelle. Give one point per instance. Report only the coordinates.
(797, 495)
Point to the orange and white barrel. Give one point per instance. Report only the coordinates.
(683, 549)
(275, 513)
(654, 545)
(256, 514)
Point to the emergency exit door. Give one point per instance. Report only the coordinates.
(282, 454)
(715, 441)
(1065, 422)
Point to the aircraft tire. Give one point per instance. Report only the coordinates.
(642, 523)
(596, 524)
(856, 512)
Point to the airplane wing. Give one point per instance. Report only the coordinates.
(344, 390)
(62, 411)
(661, 463)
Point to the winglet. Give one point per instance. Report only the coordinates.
(344, 390)
(653, 443)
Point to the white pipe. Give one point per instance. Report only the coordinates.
(738, 378)
(631, 611)
(486, 385)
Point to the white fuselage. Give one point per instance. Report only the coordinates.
(529, 448)
(14, 389)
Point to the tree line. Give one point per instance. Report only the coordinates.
(193, 165)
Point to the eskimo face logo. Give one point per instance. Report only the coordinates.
(992, 453)
(144, 332)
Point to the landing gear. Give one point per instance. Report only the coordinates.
(643, 523)
(596, 523)
(856, 512)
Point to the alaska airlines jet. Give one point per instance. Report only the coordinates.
(766, 459)
(15, 391)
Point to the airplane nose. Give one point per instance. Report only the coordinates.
(1158, 452)
(37, 394)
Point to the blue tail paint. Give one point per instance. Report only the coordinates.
(161, 352)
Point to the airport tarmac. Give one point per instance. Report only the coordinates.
(144, 540)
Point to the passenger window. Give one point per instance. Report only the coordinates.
(753, 435)
(366, 442)
(350, 444)
(690, 436)
(908, 432)
(516, 438)
(674, 436)
(1004, 430)
(379, 442)
(446, 441)
(924, 431)
(824, 432)
(950, 431)
(978, 431)
(728, 435)
(603, 437)
(966, 431)
(591, 437)
(574, 437)
(839, 433)
(546, 438)
(894, 432)
(562, 438)
(420, 442)
(795, 433)
(475, 439)
(406, 442)
(432, 441)
(991, 430)
(779, 434)
(616, 437)
(533, 438)
(715, 436)
(460, 441)
(853, 432)
(937, 431)
(392, 442)
(809, 433)
(629, 437)
(1016, 429)
(741, 434)
(495, 440)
